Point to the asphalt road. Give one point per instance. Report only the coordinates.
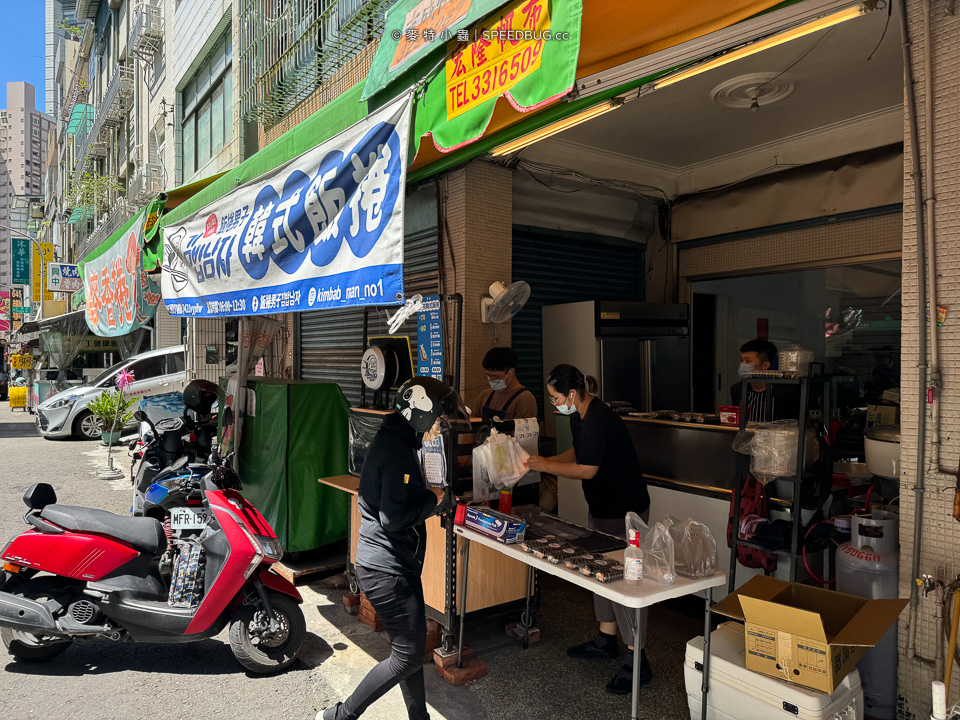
(99, 679)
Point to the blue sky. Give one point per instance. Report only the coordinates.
(22, 47)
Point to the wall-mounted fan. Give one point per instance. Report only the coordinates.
(504, 302)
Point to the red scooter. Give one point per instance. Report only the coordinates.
(81, 573)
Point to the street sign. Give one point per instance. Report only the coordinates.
(21, 362)
(16, 301)
(21, 309)
(63, 277)
(39, 270)
(21, 261)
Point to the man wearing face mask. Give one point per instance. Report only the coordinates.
(765, 402)
(506, 399)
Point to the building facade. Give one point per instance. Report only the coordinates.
(24, 134)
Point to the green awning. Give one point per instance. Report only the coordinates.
(332, 119)
(80, 214)
(81, 118)
(76, 300)
(415, 38)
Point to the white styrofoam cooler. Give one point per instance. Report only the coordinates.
(736, 693)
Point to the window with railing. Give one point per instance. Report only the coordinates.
(207, 101)
(290, 48)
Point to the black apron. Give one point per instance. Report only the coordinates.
(488, 414)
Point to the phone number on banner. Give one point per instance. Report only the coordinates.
(361, 287)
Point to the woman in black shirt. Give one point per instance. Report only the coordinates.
(603, 457)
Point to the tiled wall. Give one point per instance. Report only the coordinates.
(940, 553)
(476, 250)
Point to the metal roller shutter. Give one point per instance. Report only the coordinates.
(330, 341)
(605, 269)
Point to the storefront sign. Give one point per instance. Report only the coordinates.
(40, 270)
(21, 261)
(525, 53)
(96, 344)
(16, 301)
(430, 338)
(18, 397)
(62, 277)
(424, 23)
(21, 362)
(5, 311)
(505, 50)
(323, 231)
(120, 296)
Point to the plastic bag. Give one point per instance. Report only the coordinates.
(695, 549)
(502, 460)
(362, 430)
(658, 555)
(772, 448)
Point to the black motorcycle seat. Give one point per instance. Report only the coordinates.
(145, 534)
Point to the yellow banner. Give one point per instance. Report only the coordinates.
(505, 49)
(21, 362)
(18, 397)
(40, 271)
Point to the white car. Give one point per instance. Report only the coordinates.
(155, 372)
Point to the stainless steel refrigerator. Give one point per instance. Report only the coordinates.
(640, 352)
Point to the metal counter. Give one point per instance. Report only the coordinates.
(698, 457)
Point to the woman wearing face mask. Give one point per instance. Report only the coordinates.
(506, 399)
(604, 458)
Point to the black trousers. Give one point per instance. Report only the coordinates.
(398, 601)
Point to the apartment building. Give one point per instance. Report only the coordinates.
(24, 133)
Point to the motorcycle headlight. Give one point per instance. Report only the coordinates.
(64, 402)
(271, 547)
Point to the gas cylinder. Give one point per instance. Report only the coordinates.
(867, 566)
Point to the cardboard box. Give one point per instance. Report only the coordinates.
(806, 635)
(882, 415)
(507, 529)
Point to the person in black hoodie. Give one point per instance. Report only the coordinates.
(394, 504)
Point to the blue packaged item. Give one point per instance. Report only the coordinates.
(507, 529)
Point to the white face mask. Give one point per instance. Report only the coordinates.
(497, 385)
(566, 409)
(744, 370)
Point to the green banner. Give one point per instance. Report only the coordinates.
(21, 261)
(413, 31)
(526, 52)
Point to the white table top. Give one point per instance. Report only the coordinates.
(648, 592)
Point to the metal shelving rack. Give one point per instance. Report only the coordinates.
(743, 470)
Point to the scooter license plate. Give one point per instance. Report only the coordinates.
(188, 518)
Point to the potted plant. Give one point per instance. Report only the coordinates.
(113, 411)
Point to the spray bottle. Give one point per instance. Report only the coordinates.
(633, 560)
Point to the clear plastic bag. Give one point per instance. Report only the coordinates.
(502, 460)
(772, 448)
(658, 549)
(695, 548)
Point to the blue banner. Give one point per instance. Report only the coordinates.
(430, 338)
(21, 261)
(323, 231)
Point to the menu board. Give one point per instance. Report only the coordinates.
(430, 338)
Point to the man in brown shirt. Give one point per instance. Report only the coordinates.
(506, 399)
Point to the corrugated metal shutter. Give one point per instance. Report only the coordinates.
(330, 341)
(562, 268)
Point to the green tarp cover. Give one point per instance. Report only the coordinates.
(333, 118)
(405, 55)
(296, 435)
(437, 113)
(81, 118)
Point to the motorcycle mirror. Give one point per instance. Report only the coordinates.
(133, 444)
